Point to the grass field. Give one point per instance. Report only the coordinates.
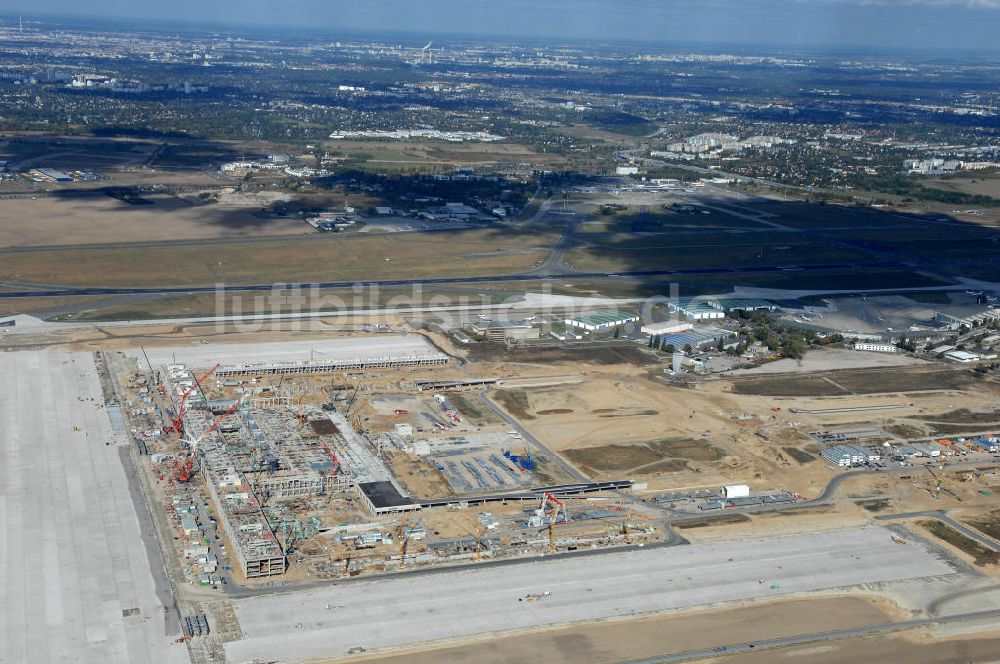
(327, 258)
(982, 555)
(813, 215)
(660, 255)
(433, 156)
(101, 219)
(667, 455)
(862, 381)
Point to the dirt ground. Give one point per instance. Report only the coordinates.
(625, 640)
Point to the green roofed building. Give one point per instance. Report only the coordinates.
(603, 320)
(742, 304)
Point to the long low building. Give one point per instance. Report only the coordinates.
(332, 351)
(696, 338)
(665, 327)
(604, 320)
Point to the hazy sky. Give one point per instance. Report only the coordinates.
(932, 25)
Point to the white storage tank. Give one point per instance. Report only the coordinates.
(736, 491)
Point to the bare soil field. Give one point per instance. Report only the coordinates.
(101, 219)
(625, 640)
(832, 358)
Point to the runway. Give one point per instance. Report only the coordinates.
(329, 622)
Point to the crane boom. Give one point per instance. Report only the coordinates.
(179, 419)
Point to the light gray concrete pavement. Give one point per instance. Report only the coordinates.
(399, 611)
(75, 581)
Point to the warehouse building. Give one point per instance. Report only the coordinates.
(666, 327)
(742, 304)
(962, 356)
(956, 318)
(843, 455)
(875, 348)
(601, 321)
(696, 310)
(697, 338)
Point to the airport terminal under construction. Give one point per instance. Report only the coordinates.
(274, 470)
(289, 459)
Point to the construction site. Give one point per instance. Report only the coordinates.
(338, 459)
(289, 478)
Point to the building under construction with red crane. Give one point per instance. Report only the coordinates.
(255, 449)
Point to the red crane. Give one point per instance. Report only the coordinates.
(184, 470)
(333, 456)
(178, 423)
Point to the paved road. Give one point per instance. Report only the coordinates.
(942, 515)
(535, 443)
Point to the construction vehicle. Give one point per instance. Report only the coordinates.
(184, 470)
(548, 498)
(404, 539)
(523, 462)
